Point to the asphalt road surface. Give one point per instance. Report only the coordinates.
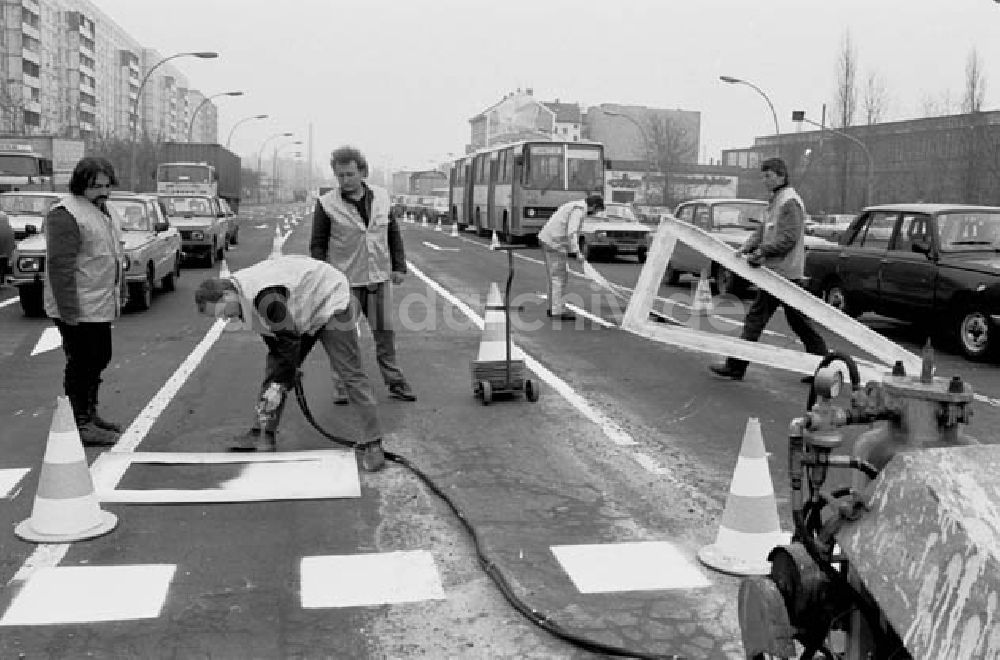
(592, 501)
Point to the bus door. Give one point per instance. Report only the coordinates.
(491, 182)
(467, 191)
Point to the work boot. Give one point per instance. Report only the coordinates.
(92, 435)
(372, 456)
(99, 422)
(726, 370)
(402, 391)
(340, 395)
(252, 440)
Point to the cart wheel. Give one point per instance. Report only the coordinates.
(529, 391)
(487, 391)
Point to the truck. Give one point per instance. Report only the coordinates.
(37, 162)
(200, 169)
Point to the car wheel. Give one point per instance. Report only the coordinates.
(671, 276)
(835, 296)
(586, 250)
(220, 253)
(641, 256)
(32, 301)
(235, 240)
(140, 294)
(210, 257)
(975, 334)
(169, 281)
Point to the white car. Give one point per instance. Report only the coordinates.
(614, 232)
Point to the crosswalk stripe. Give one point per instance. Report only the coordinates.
(50, 340)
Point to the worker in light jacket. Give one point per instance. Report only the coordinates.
(560, 241)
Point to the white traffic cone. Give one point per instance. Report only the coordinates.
(66, 508)
(494, 242)
(702, 305)
(423, 221)
(454, 230)
(438, 227)
(276, 244)
(749, 528)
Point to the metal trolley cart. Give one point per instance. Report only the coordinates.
(493, 377)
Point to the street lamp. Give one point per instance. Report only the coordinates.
(649, 152)
(245, 119)
(274, 165)
(737, 81)
(800, 115)
(203, 102)
(260, 155)
(205, 55)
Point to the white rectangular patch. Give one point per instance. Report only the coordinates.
(9, 478)
(638, 566)
(369, 579)
(294, 475)
(87, 594)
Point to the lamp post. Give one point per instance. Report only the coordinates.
(297, 154)
(203, 102)
(274, 165)
(245, 119)
(800, 115)
(737, 81)
(260, 154)
(205, 55)
(649, 151)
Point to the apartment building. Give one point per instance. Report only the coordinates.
(67, 68)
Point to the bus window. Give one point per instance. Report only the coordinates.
(584, 168)
(495, 166)
(544, 167)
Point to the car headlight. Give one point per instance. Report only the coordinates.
(198, 235)
(530, 213)
(29, 264)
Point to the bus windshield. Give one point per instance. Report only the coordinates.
(564, 167)
(18, 165)
(185, 173)
(584, 168)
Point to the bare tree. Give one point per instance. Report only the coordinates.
(847, 94)
(937, 106)
(672, 144)
(875, 98)
(975, 83)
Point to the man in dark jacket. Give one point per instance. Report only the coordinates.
(779, 244)
(83, 260)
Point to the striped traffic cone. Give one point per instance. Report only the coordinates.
(749, 528)
(702, 305)
(66, 508)
(454, 230)
(438, 227)
(494, 242)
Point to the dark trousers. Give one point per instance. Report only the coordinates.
(761, 310)
(88, 352)
(375, 303)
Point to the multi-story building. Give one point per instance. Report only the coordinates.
(66, 68)
(568, 122)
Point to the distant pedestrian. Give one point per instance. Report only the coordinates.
(355, 229)
(83, 271)
(560, 241)
(779, 244)
(293, 301)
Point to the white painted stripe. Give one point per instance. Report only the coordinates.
(9, 301)
(752, 478)
(369, 579)
(614, 432)
(632, 566)
(50, 339)
(11, 477)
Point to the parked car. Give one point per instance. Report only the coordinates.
(830, 226)
(203, 231)
(731, 220)
(231, 222)
(933, 264)
(614, 232)
(152, 254)
(25, 208)
(7, 244)
(152, 246)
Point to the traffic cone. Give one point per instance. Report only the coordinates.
(438, 228)
(702, 305)
(66, 507)
(276, 244)
(749, 528)
(454, 230)
(494, 242)
(423, 220)
(493, 345)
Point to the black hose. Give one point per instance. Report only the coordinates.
(540, 619)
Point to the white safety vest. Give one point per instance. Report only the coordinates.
(791, 265)
(362, 253)
(563, 228)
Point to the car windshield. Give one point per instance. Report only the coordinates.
(738, 215)
(969, 230)
(130, 215)
(19, 165)
(26, 204)
(188, 206)
(618, 213)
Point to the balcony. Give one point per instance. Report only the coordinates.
(86, 126)
(87, 107)
(32, 6)
(31, 81)
(30, 31)
(86, 70)
(31, 56)
(87, 88)
(33, 106)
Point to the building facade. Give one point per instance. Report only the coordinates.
(68, 69)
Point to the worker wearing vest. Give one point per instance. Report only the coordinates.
(560, 240)
(293, 301)
(354, 229)
(82, 288)
(779, 244)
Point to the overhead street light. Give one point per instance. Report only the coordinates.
(649, 150)
(260, 154)
(201, 54)
(274, 165)
(800, 115)
(203, 102)
(738, 81)
(245, 119)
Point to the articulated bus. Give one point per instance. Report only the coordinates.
(514, 188)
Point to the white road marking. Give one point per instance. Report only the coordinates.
(438, 247)
(50, 340)
(87, 594)
(632, 566)
(369, 579)
(579, 311)
(9, 478)
(9, 301)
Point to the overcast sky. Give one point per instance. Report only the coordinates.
(401, 78)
